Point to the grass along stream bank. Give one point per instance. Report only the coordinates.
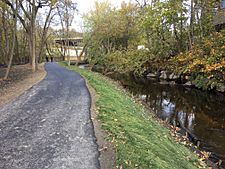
(140, 141)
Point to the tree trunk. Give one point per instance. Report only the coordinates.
(13, 44)
(6, 48)
(32, 50)
(31, 38)
(28, 22)
(177, 37)
(181, 31)
(81, 54)
(191, 31)
(33, 28)
(44, 32)
(33, 54)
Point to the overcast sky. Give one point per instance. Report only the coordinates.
(86, 5)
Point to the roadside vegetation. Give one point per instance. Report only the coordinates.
(140, 141)
(205, 63)
(176, 37)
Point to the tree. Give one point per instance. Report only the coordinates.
(43, 31)
(111, 29)
(164, 23)
(13, 41)
(27, 18)
(5, 31)
(66, 10)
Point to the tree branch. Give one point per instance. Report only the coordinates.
(25, 12)
(7, 2)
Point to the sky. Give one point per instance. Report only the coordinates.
(86, 5)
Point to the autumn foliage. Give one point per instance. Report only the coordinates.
(205, 63)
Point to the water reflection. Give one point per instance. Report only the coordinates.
(201, 113)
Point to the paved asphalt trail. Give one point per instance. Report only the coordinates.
(49, 126)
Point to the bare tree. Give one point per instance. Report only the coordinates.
(27, 17)
(142, 3)
(11, 53)
(5, 31)
(43, 32)
(66, 10)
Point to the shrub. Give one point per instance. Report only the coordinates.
(206, 61)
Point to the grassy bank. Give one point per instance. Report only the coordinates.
(140, 141)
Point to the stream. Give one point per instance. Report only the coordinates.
(201, 113)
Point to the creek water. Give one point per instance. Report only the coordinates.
(201, 113)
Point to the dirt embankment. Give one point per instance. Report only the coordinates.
(107, 151)
(20, 79)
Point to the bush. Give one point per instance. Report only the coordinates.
(124, 61)
(206, 61)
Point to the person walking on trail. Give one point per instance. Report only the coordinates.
(51, 59)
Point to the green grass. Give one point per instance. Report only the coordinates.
(140, 141)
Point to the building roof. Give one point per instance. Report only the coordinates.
(76, 41)
(74, 38)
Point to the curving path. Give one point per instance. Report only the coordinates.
(49, 126)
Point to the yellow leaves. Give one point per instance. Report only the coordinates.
(213, 67)
(181, 59)
(206, 57)
(203, 156)
(113, 140)
(208, 43)
(119, 167)
(53, 2)
(193, 66)
(201, 63)
(219, 35)
(210, 76)
(103, 149)
(198, 62)
(128, 162)
(213, 51)
(202, 164)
